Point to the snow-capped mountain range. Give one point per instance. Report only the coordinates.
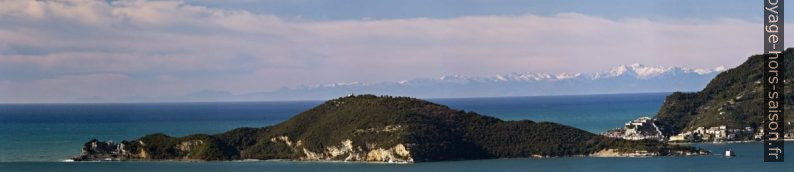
(633, 78)
(632, 71)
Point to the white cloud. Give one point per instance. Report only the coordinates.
(200, 48)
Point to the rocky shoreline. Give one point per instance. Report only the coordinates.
(97, 151)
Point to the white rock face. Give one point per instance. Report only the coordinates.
(284, 139)
(186, 146)
(396, 154)
(346, 151)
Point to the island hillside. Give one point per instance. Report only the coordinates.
(732, 99)
(382, 129)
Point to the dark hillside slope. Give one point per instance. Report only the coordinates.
(733, 98)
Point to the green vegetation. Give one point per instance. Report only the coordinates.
(733, 98)
(431, 132)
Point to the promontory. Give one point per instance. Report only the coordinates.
(382, 129)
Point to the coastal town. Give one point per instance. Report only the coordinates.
(645, 128)
(638, 129)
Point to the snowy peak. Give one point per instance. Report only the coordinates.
(641, 71)
(511, 77)
(708, 71)
(568, 76)
(635, 70)
(524, 77)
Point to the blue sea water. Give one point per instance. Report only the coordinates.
(37, 137)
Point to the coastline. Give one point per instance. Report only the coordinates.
(726, 142)
(607, 153)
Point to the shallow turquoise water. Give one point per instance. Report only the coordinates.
(36, 137)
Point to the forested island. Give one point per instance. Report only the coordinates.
(382, 129)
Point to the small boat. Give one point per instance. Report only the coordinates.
(729, 153)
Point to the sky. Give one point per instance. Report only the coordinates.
(76, 50)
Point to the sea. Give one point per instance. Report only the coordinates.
(40, 137)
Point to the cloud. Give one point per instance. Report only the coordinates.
(172, 48)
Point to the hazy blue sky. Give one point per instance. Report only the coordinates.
(62, 51)
(613, 9)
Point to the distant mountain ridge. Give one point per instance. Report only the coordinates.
(637, 71)
(632, 78)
